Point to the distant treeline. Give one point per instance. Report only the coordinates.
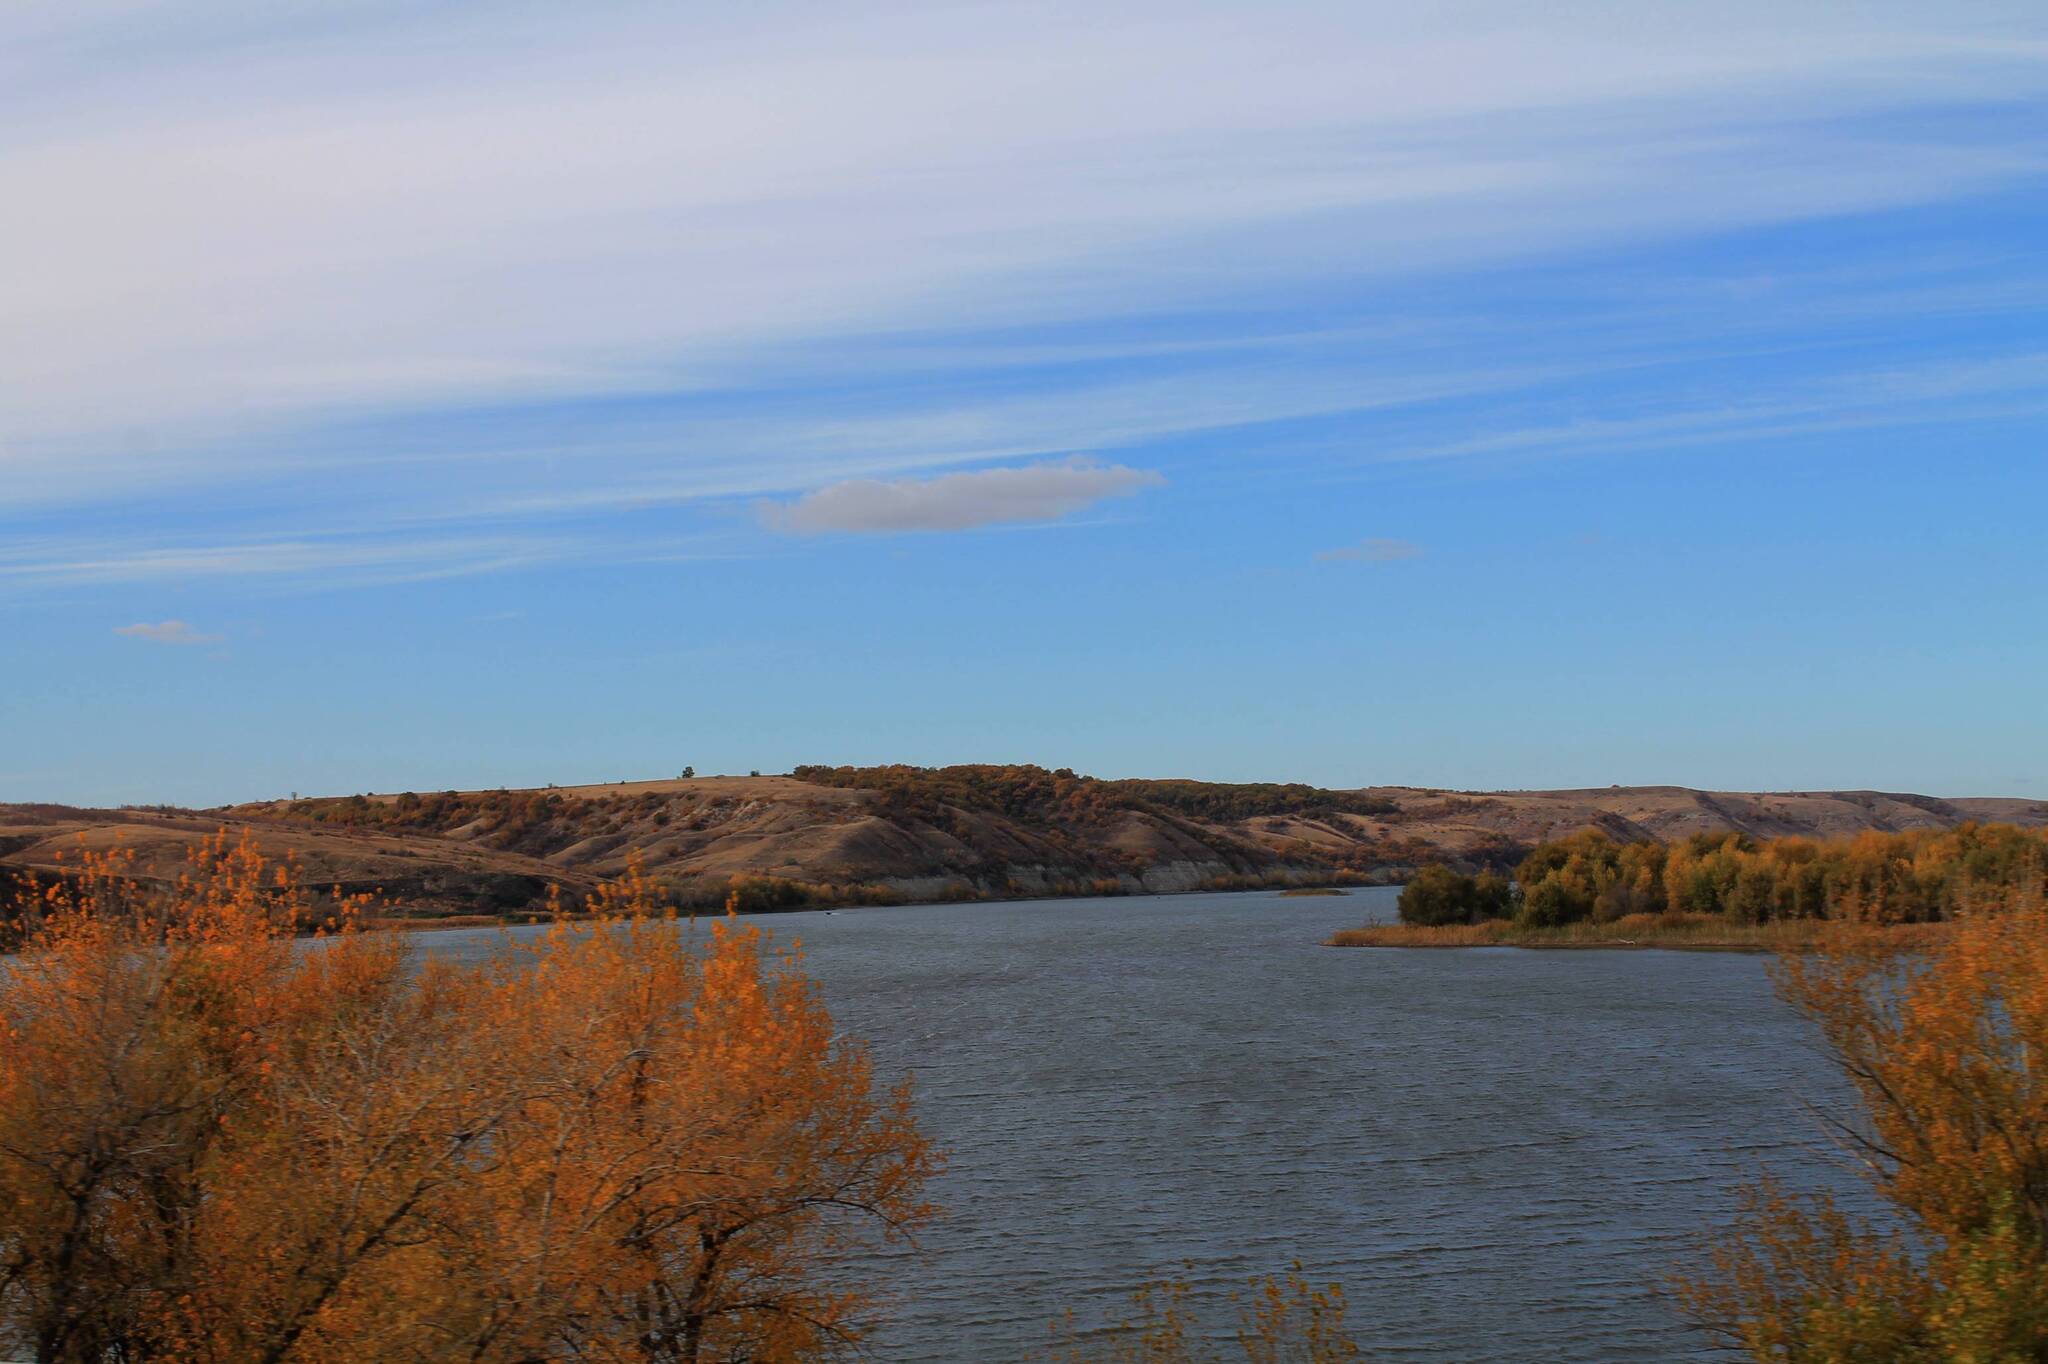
(1919, 876)
(433, 811)
(1033, 793)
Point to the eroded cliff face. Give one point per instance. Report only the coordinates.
(498, 851)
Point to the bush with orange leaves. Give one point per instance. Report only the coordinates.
(623, 1141)
(1944, 1049)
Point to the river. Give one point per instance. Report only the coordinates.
(1496, 1152)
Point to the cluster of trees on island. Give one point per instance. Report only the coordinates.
(1916, 876)
(1938, 1032)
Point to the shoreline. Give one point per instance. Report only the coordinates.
(1689, 933)
(1602, 945)
(403, 924)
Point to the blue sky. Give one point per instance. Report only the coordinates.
(407, 397)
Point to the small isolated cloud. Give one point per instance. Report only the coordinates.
(1035, 492)
(167, 632)
(1372, 552)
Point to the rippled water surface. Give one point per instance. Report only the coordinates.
(1496, 1152)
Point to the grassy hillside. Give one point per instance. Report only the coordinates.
(861, 835)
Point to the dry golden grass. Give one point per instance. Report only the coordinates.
(1693, 932)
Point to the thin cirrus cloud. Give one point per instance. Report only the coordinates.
(396, 208)
(455, 290)
(167, 632)
(952, 502)
(1373, 551)
(334, 558)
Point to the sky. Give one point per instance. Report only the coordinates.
(1479, 395)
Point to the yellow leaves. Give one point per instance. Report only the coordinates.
(1913, 876)
(621, 1133)
(1941, 1047)
(1801, 1281)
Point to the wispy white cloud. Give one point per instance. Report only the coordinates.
(808, 465)
(256, 221)
(986, 497)
(770, 452)
(167, 632)
(1897, 396)
(330, 559)
(1373, 551)
(339, 557)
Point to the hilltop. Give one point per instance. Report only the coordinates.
(900, 833)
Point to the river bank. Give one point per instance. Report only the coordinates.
(1283, 889)
(1668, 932)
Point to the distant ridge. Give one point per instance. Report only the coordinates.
(902, 833)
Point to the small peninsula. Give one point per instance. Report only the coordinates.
(1727, 892)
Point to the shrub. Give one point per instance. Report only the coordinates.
(623, 1140)
(1438, 895)
(1552, 904)
(1942, 1047)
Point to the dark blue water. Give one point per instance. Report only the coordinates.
(1498, 1153)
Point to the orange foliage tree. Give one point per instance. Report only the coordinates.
(1945, 1052)
(1911, 876)
(624, 1141)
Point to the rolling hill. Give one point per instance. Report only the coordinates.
(899, 833)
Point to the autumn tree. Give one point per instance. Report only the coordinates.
(624, 1141)
(1943, 1050)
(1438, 895)
(1911, 876)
